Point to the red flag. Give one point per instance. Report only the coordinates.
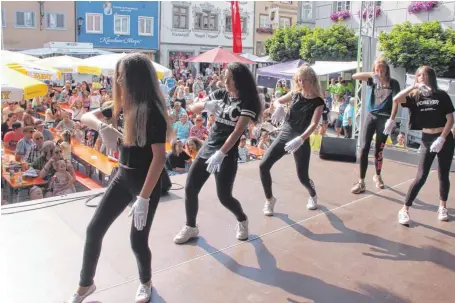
(236, 27)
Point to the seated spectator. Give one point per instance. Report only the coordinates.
(12, 108)
(48, 136)
(401, 141)
(78, 110)
(78, 133)
(180, 97)
(65, 145)
(25, 143)
(36, 193)
(199, 130)
(46, 163)
(7, 126)
(264, 141)
(62, 182)
(244, 155)
(210, 121)
(53, 115)
(182, 128)
(11, 138)
(193, 145)
(65, 124)
(28, 120)
(35, 151)
(176, 161)
(178, 110)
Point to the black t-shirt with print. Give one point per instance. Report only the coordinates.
(428, 112)
(173, 161)
(301, 112)
(136, 156)
(226, 117)
(380, 100)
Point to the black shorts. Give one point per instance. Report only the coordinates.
(338, 124)
(325, 118)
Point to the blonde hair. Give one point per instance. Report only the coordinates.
(306, 70)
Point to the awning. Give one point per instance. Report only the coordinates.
(326, 67)
(65, 51)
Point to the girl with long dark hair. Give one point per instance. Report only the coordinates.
(140, 121)
(431, 111)
(305, 112)
(234, 108)
(381, 88)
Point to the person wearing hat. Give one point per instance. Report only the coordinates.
(12, 137)
(24, 143)
(39, 126)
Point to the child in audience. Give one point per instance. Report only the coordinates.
(65, 145)
(400, 140)
(36, 193)
(264, 142)
(243, 151)
(62, 182)
(78, 110)
(78, 133)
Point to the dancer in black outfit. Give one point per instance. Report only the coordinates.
(140, 119)
(234, 108)
(381, 89)
(305, 112)
(431, 111)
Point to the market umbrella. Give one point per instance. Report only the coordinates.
(219, 55)
(251, 57)
(65, 64)
(15, 56)
(31, 69)
(105, 64)
(15, 86)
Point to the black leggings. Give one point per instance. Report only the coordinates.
(198, 175)
(445, 156)
(276, 152)
(124, 188)
(373, 124)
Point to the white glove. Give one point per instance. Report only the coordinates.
(389, 125)
(376, 80)
(211, 106)
(214, 162)
(437, 145)
(139, 211)
(109, 135)
(278, 115)
(293, 145)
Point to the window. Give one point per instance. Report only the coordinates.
(228, 24)
(25, 19)
(264, 21)
(3, 18)
(307, 11)
(286, 2)
(343, 5)
(285, 22)
(260, 48)
(55, 21)
(180, 17)
(145, 26)
(94, 23)
(121, 25)
(207, 21)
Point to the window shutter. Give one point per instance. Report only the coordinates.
(20, 19)
(60, 21)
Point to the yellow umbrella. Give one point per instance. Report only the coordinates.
(105, 64)
(65, 64)
(16, 86)
(31, 69)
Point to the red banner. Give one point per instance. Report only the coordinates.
(236, 28)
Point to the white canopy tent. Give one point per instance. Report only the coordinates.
(327, 67)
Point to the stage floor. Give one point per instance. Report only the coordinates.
(349, 250)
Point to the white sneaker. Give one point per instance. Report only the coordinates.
(268, 206)
(312, 203)
(143, 294)
(403, 217)
(443, 214)
(76, 298)
(242, 230)
(185, 234)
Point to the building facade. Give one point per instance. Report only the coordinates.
(191, 28)
(119, 26)
(27, 25)
(287, 16)
(318, 13)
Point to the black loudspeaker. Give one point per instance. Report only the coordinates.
(338, 149)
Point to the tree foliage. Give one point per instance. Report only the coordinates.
(285, 42)
(335, 43)
(413, 45)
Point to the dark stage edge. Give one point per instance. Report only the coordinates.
(349, 250)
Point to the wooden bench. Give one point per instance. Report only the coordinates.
(86, 181)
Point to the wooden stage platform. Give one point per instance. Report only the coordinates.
(349, 250)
